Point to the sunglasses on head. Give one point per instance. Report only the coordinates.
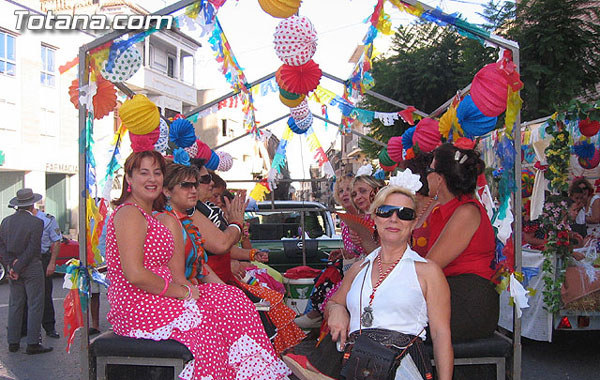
(429, 170)
(205, 179)
(188, 185)
(403, 213)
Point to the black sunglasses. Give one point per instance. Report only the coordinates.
(188, 185)
(429, 170)
(403, 213)
(205, 179)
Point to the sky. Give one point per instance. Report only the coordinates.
(340, 27)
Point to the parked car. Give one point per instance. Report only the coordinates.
(280, 229)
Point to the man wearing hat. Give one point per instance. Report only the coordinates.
(20, 251)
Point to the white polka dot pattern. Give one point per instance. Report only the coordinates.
(295, 40)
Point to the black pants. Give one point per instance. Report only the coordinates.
(48, 320)
(475, 307)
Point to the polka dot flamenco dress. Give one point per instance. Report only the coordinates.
(221, 328)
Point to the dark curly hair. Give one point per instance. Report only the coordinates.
(461, 178)
(418, 165)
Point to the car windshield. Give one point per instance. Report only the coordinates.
(277, 225)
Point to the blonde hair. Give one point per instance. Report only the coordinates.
(373, 183)
(386, 192)
(336, 188)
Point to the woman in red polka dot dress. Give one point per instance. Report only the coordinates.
(214, 321)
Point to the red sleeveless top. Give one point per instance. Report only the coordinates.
(478, 255)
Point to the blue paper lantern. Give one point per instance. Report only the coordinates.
(213, 163)
(473, 122)
(407, 137)
(295, 128)
(182, 133)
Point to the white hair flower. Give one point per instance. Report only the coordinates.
(407, 180)
(365, 170)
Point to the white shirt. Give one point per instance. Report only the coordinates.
(399, 303)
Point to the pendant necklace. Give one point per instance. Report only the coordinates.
(367, 316)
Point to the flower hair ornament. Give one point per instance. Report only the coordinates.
(407, 180)
(365, 170)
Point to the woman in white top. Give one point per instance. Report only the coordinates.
(394, 288)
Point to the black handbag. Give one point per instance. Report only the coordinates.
(373, 355)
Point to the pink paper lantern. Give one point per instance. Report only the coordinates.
(427, 134)
(295, 40)
(204, 151)
(394, 148)
(489, 90)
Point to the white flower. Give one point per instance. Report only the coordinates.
(365, 170)
(407, 180)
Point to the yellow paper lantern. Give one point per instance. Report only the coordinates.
(280, 8)
(139, 115)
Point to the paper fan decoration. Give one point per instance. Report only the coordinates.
(182, 133)
(474, 123)
(590, 163)
(589, 127)
(204, 151)
(162, 143)
(225, 161)
(527, 180)
(301, 111)
(427, 134)
(280, 8)
(295, 40)
(299, 79)
(356, 223)
(407, 138)
(213, 163)
(384, 158)
(104, 101)
(192, 150)
(141, 143)
(124, 66)
(139, 115)
(395, 149)
(584, 149)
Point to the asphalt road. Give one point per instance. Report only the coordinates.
(572, 355)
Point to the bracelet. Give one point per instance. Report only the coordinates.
(164, 289)
(188, 293)
(236, 225)
(253, 252)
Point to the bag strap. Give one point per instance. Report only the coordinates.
(360, 300)
(412, 341)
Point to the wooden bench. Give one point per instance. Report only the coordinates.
(112, 349)
(493, 350)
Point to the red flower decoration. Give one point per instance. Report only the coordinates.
(464, 143)
(104, 101)
(299, 79)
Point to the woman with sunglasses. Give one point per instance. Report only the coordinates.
(394, 293)
(462, 241)
(149, 300)
(279, 320)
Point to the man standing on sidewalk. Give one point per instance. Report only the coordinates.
(20, 250)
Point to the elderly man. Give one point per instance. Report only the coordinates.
(20, 250)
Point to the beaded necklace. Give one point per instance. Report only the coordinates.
(367, 316)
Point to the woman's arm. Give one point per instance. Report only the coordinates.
(238, 253)
(211, 277)
(220, 242)
(177, 262)
(336, 313)
(595, 217)
(130, 232)
(437, 295)
(456, 235)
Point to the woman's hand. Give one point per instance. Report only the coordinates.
(195, 292)
(335, 254)
(238, 268)
(261, 256)
(234, 209)
(338, 321)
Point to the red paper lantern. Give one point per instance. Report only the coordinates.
(427, 134)
(589, 127)
(141, 143)
(394, 148)
(489, 90)
(204, 150)
(299, 79)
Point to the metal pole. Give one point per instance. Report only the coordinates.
(517, 232)
(444, 106)
(303, 238)
(82, 223)
(247, 133)
(353, 131)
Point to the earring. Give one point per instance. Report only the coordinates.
(128, 188)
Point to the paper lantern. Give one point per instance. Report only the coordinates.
(294, 127)
(124, 66)
(447, 120)
(213, 163)
(225, 161)
(299, 79)
(395, 148)
(182, 133)
(527, 180)
(280, 8)
(388, 168)
(104, 101)
(590, 163)
(384, 158)
(204, 151)
(295, 40)
(192, 150)
(305, 123)
(474, 123)
(489, 90)
(427, 134)
(301, 111)
(139, 115)
(292, 103)
(589, 127)
(141, 143)
(162, 143)
(407, 137)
